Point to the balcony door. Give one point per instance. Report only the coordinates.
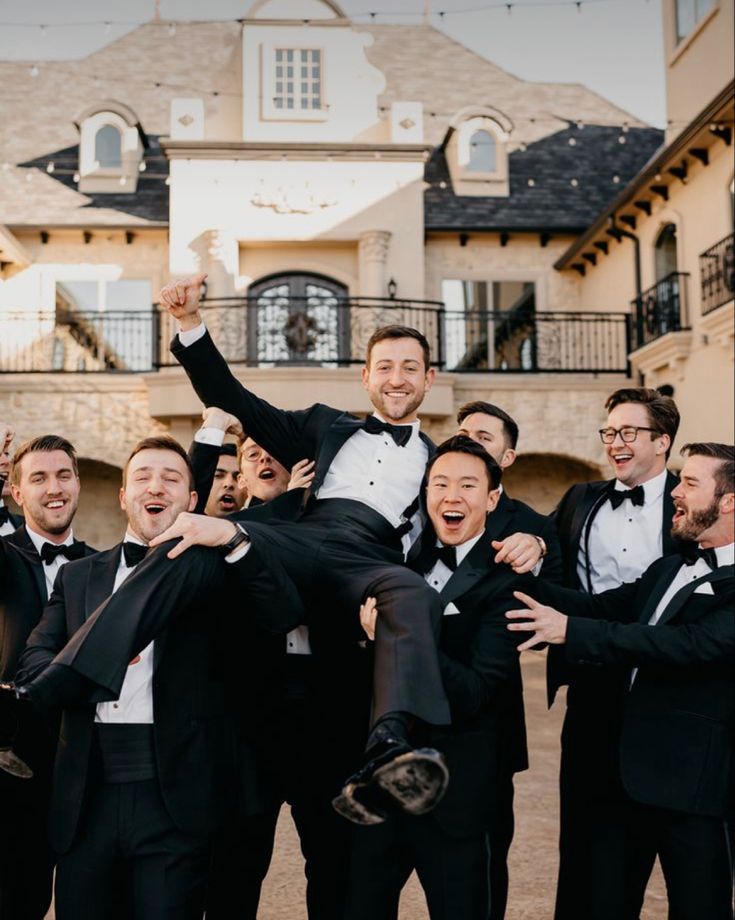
(298, 319)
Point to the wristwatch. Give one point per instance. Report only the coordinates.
(542, 544)
(239, 539)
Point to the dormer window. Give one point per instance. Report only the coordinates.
(298, 84)
(482, 152)
(111, 149)
(108, 147)
(476, 153)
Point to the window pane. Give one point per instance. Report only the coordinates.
(482, 152)
(108, 147)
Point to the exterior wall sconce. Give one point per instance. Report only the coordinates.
(392, 288)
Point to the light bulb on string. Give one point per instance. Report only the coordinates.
(574, 183)
(531, 183)
(75, 177)
(141, 166)
(50, 167)
(33, 70)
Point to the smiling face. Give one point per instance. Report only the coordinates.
(489, 432)
(227, 494)
(699, 513)
(458, 496)
(397, 379)
(157, 489)
(645, 457)
(47, 490)
(261, 475)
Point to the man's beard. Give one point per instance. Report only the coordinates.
(696, 522)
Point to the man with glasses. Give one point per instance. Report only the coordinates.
(610, 532)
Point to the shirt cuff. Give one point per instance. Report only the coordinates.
(237, 554)
(213, 436)
(534, 571)
(192, 335)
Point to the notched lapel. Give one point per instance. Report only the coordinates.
(101, 579)
(476, 562)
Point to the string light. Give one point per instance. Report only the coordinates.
(574, 182)
(33, 70)
(141, 166)
(51, 167)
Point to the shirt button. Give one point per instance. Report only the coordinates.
(380, 461)
(625, 550)
(372, 483)
(115, 706)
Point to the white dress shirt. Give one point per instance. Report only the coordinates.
(8, 527)
(623, 541)
(685, 575)
(136, 695)
(440, 574)
(50, 569)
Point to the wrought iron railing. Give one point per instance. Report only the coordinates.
(660, 309)
(326, 332)
(717, 274)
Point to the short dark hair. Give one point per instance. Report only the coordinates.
(45, 443)
(461, 444)
(725, 473)
(662, 412)
(398, 332)
(510, 427)
(160, 442)
(228, 450)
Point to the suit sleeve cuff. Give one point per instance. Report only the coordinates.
(192, 335)
(213, 436)
(582, 640)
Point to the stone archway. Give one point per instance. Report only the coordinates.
(540, 480)
(99, 520)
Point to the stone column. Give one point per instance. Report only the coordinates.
(373, 255)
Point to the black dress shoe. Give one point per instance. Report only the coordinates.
(10, 695)
(396, 778)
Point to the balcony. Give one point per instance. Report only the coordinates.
(717, 274)
(659, 310)
(318, 332)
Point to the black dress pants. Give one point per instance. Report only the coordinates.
(128, 848)
(452, 870)
(500, 837)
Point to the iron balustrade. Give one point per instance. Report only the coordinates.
(660, 309)
(717, 274)
(317, 332)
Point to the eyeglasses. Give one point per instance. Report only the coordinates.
(253, 454)
(628, 433)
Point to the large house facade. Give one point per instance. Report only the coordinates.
(330, 177)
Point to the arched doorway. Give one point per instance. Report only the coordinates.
(99, 520)
(298, 318)
(540, 480)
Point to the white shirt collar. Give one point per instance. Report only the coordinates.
(130, 537)
(652, 488)
(38, 540)
(725, 554)
(464, 548)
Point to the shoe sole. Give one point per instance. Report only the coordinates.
(346, 805)
(417, 780)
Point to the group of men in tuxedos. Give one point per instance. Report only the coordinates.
(345, 638)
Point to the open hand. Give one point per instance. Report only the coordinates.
(196, 530)
(546, 624)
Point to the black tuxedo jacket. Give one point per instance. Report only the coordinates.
(571, 515)
(22, 599)
(194, 701)
(676, 748)
(481, 674)
(317, 432)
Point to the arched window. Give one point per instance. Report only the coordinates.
(665, 256)
(482, 153)
(108, 147)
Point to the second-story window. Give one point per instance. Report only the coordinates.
(298, 79)
(688, 14)
(108, 147)
(482, 153)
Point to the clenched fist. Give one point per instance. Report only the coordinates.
(181, 299)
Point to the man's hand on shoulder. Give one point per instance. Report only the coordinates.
(196, 530)
(182, 298)
(521, 551)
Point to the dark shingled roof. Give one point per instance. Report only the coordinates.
(552, 202)
(148, 202)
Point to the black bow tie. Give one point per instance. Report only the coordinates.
(709, 555)
(75, 550)
(134, 553)
(445, 554)
(401, 434)
(636, 495)
(4, 515)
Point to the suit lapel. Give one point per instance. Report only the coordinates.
(663, 582)
(101, 579)
(24, 544)
(343, 427)
(724, 573)
(479, 559)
